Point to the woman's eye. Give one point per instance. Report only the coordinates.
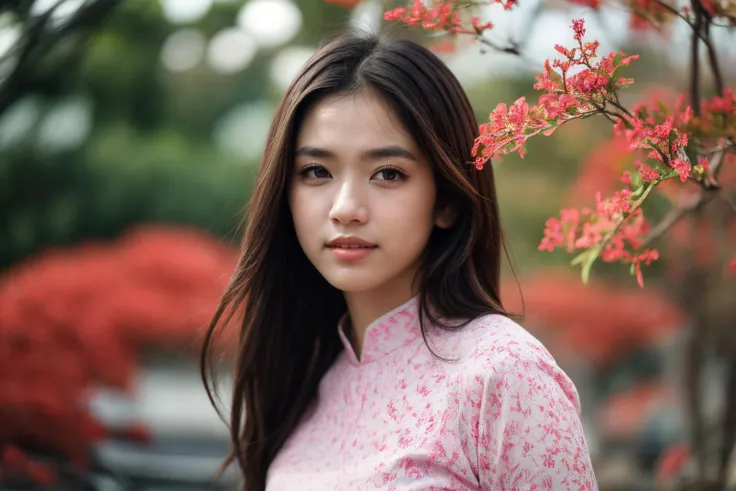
(390, 174)
(315, 172)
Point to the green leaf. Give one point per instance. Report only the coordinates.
(579, 259)
(585, 273)
(586, 259)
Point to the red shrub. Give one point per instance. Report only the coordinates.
(74, 319)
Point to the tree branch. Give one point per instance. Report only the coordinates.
(729, 422)
(713, 58)
(695, 57)
(675, 215)
(717, 163)
(510, 49)
(723, 147)
(693, 373)
(619, 106)
(40, 37)
(672, 10)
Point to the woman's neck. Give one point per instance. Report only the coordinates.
(365, 307)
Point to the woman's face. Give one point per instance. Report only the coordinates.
(362, 195)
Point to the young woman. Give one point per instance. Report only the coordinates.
(375, 352)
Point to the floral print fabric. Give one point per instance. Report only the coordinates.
(500, 415)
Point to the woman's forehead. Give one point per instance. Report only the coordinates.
(354, 121)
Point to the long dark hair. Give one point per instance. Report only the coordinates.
(288, 337)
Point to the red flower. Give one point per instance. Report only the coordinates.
(597, 322)
(15, 464)
(646, 172)
(672, 462)
(442, 17)
(565, 97)
(594, 4)
(348, 4)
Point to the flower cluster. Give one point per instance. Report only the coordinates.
(613, 230)
(574, 87)
(579, 85)
(719, 116)
(656, 129)
(445, 16)
(665, 143)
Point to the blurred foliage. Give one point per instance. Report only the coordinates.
(149, 155)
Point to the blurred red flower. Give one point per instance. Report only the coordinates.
(672, 462)
(597, 322)
(78, 318)
(623, 414)
(348, 4)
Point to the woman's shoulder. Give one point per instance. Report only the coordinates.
(495, 351)
(494, 348)
(495, 340)
(518, 409)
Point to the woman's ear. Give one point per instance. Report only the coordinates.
(445, 216)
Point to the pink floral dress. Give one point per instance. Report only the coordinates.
(501, 416)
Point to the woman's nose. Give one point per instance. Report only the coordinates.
(349, 206)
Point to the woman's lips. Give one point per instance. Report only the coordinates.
(351, 250)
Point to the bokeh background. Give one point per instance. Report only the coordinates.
(130, 134)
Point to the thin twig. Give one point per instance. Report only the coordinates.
(620, 107)
(510, 49)
(717, 163)
(607, 113)
(674, 216)
(724, 147)
(713, 58)
(695, 58)
(710, 183)
(672, 10)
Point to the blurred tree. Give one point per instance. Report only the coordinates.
(47, 46)
(145, 146)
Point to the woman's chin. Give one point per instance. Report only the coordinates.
(354, 281)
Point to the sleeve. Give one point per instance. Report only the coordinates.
(529, 433)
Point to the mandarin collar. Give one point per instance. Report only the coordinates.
(393, 330)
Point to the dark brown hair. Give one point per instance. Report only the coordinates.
(288, 337)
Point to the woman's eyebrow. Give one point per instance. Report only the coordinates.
(309, 151)
(370, 155)
(388, 152)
